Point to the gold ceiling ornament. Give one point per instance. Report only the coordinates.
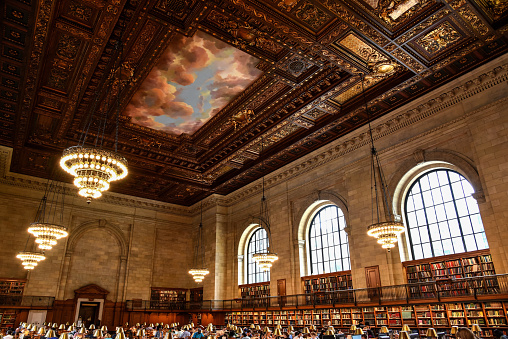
(30, 259)
(198, 274)
(385, 231)
(266, 259)
(93, 167)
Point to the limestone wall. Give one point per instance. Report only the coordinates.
(128, 245)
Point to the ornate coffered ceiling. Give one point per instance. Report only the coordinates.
(304, 90)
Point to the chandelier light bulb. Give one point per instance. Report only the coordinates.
(386, 233)
(30, 259)
(265, 260)
(93, 169)
(46, 234)
(198, 274)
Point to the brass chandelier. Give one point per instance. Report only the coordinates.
(198, 274)
(266, 259)
(385, 231)
(93, 167)
(30, 259)
(47, 227)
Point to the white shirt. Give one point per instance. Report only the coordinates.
(8, 336)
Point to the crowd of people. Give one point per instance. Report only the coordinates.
(189, 331)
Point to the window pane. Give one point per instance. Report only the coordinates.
(258, 243)
(328, 241)
(440, 203)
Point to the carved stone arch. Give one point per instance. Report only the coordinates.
(424, 161)
(304, 205)
(307, 208)
(112, 229)
(248, 228)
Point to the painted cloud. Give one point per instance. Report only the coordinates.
(195, 78)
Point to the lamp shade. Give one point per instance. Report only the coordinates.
(290, 328)
(141, 333)
(312, 327)
(278, 326)
(358, 331)
(126, 325)
(328, 332)
(252, 326)
(267, 329)
(404, 335)
(41, 331)
(258, 328)
(104, 328)
(384, 329)
(209, 327)
(97, 333)
(92, 327)
(277, 332)
(70, 328)
(120, 335)
(55, 325)
(306, 330)
(82, 330)
(138, 324)
(119, 329)
(352, 328)
(476, 328)
(192, 324)
(61, 327)
(431, 333)
(406, 328)
(64, 335)
(50, 333)
(454, 330)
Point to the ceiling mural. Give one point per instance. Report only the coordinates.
(195, 77)
(221, 92)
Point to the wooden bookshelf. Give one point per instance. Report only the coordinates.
(161, 296)
(337, 281)
(488, 314)
(258, 290)
(445, 271)
(7, 319)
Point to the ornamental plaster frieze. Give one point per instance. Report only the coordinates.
(392, 123)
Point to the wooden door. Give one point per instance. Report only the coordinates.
(373, 282)
(281, 291)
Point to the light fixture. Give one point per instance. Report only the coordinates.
(264, 259)
(30, 259)
(47, 228)
(94, 167)
(198, 274)
(386, 232)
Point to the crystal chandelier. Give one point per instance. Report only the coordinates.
(30, 259)
(264, 259)
(386, 232)
(47, 227)
(93, 167)
(198, 274)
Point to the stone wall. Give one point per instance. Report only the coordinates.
(136, 243)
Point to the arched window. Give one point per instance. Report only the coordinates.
(442, 216)
(258, 242)
(328, 242)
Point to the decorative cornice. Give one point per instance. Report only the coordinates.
(38, 184)
(396, 121)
